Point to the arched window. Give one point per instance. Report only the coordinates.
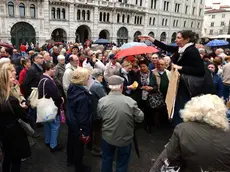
(78, 15)
(58, 13)
(53, 13)
(123, 18)
(108, 17)
(140, 20)
(63, 13)
(128, 19)
(83, 14)
(104, 17)
(32, 11)
(11, 8)
(22, 10)
(153, 20)
(150, 20)
(88, 15)
(118, 18)
(100, 16)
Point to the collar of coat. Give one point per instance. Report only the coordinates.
(115, 93)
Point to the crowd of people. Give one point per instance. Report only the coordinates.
(103, 97)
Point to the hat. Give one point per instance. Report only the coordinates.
(96, 72)
(115, 80)
(61, 57)
(112, 56)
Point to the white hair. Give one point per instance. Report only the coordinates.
(63, 51)
(220, 50)
(209, 109)
(115, 87)
(61, 57)
(4, 60)
(201, 50)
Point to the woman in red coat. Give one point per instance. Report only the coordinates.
(26, 64)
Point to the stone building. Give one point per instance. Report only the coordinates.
(78, 20)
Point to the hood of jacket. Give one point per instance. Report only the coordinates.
(76, 93)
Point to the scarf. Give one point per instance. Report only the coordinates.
(145, 82)
(182, 49)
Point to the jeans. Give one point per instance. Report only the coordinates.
(226, 92)
(32, 117)
(11, 164)
(51, 130)
(123, 156)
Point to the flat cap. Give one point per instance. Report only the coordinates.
(115, 80)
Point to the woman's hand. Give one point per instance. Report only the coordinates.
(176, 67)
(23, 105)
(147, 88)
(130, 87)
(144, 38)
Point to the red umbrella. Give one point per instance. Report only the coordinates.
(136, 51)
(6, 45)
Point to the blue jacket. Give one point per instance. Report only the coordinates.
(78, 113)
(218, 85)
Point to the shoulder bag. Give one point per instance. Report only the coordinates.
(25, 126)
(156, 100)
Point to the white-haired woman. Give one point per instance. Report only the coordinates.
(59, 72)
(78, 118)
(14, 140)
(202, 141)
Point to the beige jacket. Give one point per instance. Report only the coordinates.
(158, 78)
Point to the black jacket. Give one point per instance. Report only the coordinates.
(191, 62)
(13, 137)
(131, 78)
(32, 79)
(50, 89)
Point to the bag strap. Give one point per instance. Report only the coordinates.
(41, 81)
(44, 87)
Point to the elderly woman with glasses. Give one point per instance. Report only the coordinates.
(78, 118)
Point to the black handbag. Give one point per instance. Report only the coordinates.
(156, 100)
(25, 126)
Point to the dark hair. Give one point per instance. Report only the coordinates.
(9, 51)
(143, 61)
(24, 61)
(47, 66)
(188, 34)
(216, 67)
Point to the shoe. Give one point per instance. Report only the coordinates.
(47, 145)
(56, 148)
(96, 152)
(36, 135)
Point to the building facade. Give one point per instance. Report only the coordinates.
(78, 20)
(217, 19)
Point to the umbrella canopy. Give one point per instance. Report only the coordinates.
(136, 50)
(101, 41)
(217, 43)
(173, 44)
(6, 45)
(132, 44)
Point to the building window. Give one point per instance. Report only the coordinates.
(136, 2)
(173, 22)
(123, 18)
(223, 15)
(108, 16)
(192, 25)
(155, 4)
(78, 15)
(166, 22)
(53, 13)
(118, 18)
(213, 16)
(222, 23)
(221, 31)
(58, 13)
(153, 20)
(32, 11)
(11, 8)
(104, 17)
(163, 21)
(184, 23)
(63, 13)
(88, 15)
(150, 20)
(22, 10)
(140, 2)
(83, 14)
(128, 19)
(193, 10)
(212, 24)
(135, 20)
(177, 8)
(176, 23)
(140, 20)
(200, 12)
(198, 25)
(211, 32)
(186, 9)
(100, 16)
(166, 6)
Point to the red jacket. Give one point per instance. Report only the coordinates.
(22, 76)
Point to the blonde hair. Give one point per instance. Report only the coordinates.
(126, 63)
(80, 76)
(209, 109)
(5, 82)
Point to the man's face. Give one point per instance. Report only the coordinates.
(75, 61)
(47, 57)
(154, 58)
(39, 59)
(55, 50)
(161, 65)
(74, 50)
(211, 67)
(15, 51)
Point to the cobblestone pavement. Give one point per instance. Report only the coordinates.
(43, 161)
